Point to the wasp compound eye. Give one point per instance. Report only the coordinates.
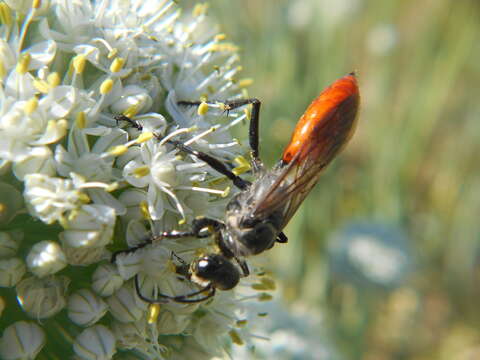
(218, 270)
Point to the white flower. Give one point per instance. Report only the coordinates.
(22, 340)
(42, 298)
(95, 343)
(85, 308)
(93, 185)
(46, 258)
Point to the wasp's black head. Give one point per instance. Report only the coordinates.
(218, 270)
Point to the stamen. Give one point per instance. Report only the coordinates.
(153, 312)
(79, 63)
(200, 9)
(159, 14)
(23, 63)
(199, 136)
(245, 82)
(143, 137)
(106, 86)
(31, 105)
(141, 171)
(5, 14)
(53, 79)
(144, 210)
(235, 336)
(202, 108)
(177, 132)
(117, 65)
(81, 120)
(222, 193)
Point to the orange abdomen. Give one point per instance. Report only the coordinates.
(329, 121)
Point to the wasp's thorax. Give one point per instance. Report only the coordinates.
(245, 234)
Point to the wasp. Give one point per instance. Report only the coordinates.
(257, 214)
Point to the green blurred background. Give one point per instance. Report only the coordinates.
(401, 205)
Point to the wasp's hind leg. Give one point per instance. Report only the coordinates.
(174, 234)
(253, 133)
(214, 163)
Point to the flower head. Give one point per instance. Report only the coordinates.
(70, 73)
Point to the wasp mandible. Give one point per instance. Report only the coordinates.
(255, 216)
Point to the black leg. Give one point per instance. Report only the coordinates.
(133, 123)
(244, 266)
(164, 235)
(253, 133)
(282, 238)
(162, 298)
(214, 163)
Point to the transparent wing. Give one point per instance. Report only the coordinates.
(296, 179)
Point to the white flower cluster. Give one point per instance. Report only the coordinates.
(92, 184)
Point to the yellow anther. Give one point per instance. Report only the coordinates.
(117, 64)
(182, 221)
(235, 336)
(36, 4)
(202, 108)
(42, 86)
(112, 187)
(153, 312)
(245, 82)
(248, 113)
(269, 283)
(5, 14)
(53, 79)
(141, 171)
(144, 210)
(259, 287)
(31, 105)
(59, 126)
(112, 53)
(118, 150)
(3, 70)
(80, 120)
(200, 9)
(226, 192)
(131, 111)
(79, 63)
(63, 222)
(144, 137)
(220, 37)
(222, 106)
(24, 63)
(83, 197)
(223, 47)
(264, 297)
(241, 323)
(106, 86)
(243, 165)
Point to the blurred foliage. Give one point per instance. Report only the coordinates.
(413, 163)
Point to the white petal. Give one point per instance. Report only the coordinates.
(22, 340)
(85, 308)
(106, 280)
(95, 343)
(124, 307)
(11, 271)
(40, 160)
(46, 258)
(42, 54)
